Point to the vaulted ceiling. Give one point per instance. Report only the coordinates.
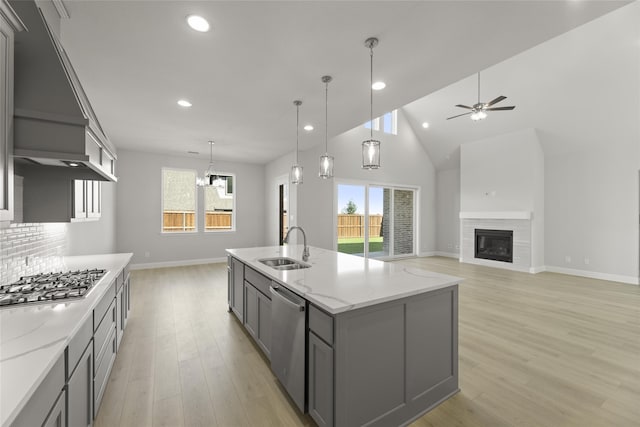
(137, 58)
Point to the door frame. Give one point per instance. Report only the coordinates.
(366, 184)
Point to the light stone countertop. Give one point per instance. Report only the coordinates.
(338, 282)
(32, 337)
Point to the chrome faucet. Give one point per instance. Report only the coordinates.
(305, 252)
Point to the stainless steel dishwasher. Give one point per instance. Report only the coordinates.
(288, 341)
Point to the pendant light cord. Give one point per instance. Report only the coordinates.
(478, 87)
(371, 90)
(297, 129)
(326, 117)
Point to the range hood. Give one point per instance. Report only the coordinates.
(54, 124)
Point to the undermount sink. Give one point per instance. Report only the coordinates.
(284, 263)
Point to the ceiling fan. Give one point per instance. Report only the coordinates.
(479, 110)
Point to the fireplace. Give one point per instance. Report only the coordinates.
(496, 245)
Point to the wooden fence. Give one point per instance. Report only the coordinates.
(352, 225)
(181, 221)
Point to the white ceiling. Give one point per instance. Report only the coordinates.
(137, 58)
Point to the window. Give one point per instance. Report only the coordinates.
(387, 123)
(178, 200)
(376, 221)
(219, 204)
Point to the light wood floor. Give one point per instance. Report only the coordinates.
(535, 350)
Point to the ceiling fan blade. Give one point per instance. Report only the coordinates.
(500, 108)
(464, 106)
(495, 101)
(463, 114)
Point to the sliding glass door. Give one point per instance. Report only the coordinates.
(375, 221)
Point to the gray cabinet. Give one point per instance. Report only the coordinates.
(86, 200)
(236, 288)
(80, 391)
(320, 385)
(104, 343)
(58, 415)
(9, 24)
(120, 310)
(257, 316)
(47, 404)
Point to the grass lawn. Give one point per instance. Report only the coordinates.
(356, 245)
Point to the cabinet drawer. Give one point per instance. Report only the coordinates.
(101, 336)
(321, 323)
(119, 281)
(78, 345)
(44, 398)
(103, 370)
(259, 281)
(103, 305)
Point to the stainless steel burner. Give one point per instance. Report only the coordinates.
(49, 287)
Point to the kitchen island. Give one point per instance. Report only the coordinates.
(381, 339)
(42, 343)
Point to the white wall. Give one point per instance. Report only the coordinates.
(95, 237)
(139, 211)
(592, 212)
(403, 162)
(448, 209)
(499, 173)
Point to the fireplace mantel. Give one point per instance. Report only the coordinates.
(496, 215)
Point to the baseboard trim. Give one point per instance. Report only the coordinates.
(594, 275)
(181, 263)
(536, 270)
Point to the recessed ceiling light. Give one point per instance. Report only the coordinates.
(73, 164)
(308, 128)
(198, 23)
(184, 103)
(378, 85)
(425, 125)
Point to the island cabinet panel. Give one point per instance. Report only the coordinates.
(320, 384)
(430, 338)
(236, 289)
(397, 360)
(45, 400)
(257, 313)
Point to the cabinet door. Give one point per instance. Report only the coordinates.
(58, 415)
(229, 282)
(264, 323)
(94, 199)
(251, 318)
(119, 316)
(79, 199)
(80, 391)
(320, 383)
(6, 120)
(238, 288)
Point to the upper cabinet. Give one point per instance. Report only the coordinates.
(9, 25)
(55, 124)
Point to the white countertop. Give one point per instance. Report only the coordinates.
(340, 282)
(32, 337)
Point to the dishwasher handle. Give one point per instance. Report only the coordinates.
(283, 297)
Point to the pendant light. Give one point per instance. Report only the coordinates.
(296, 169)
(371, 147)
(210, 177)
(326, 161)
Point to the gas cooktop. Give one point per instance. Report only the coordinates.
(49, 287)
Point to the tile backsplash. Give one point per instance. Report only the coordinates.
(27, 249)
